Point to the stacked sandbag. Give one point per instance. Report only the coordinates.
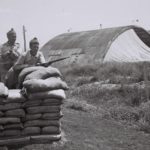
(32, 114)
(11, 113)
(37, 72)
(43, 108)
(45, 93)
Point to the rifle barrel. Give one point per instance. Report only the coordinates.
(52, 61)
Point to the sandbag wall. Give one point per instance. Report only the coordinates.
(32, 114)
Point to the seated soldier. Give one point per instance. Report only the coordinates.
(27, 59)
(9, 54)
(31, 57)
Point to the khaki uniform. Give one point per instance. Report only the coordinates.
(8, 57)
(27, 58)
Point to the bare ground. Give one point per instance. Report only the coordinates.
(87, 130)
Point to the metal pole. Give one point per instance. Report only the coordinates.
(24, 38)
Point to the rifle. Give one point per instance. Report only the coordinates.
(51, 62)
(20, 67)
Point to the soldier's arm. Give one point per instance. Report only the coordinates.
(14, 53)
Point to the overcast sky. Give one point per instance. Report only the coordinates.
(45, 19)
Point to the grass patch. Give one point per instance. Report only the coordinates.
(124, 113)
(80, 105)
(116, 87)
(114, 72)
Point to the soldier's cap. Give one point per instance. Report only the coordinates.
(11, 32)
(34, 40)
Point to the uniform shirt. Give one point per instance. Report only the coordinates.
(27, 58)
(9, 55)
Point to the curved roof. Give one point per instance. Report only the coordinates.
(97, 41)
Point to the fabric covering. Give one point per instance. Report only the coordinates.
(128, 47)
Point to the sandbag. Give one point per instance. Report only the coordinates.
(41, 123)
(32, 103)
(51, 130)
(46, 102)
(13, 132)
(3, 90)
(39, 85)
(43, 109)
(1, 128)
(15, 141)
(58, 94)
(45, 138)
(15, 96)
(13, 126)
(52, 101)
(52, 116)
(10, 106)
(33, 117)
(31, 131)
(27, 71)
(43, 73)
(9, 120)
(51, 104)
(15, 113)
(1, 114)
(2, 99)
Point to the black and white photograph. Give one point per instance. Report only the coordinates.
(74, 75)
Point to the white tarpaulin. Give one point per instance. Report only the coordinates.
(128, 47)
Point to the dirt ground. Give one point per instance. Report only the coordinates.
(85, 130)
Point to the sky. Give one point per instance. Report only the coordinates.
(46, 19)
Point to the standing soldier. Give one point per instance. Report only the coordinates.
(9, 53)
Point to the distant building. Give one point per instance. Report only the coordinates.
(118, 44)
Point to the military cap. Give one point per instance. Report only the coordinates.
(11, 32)
(34, 40)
